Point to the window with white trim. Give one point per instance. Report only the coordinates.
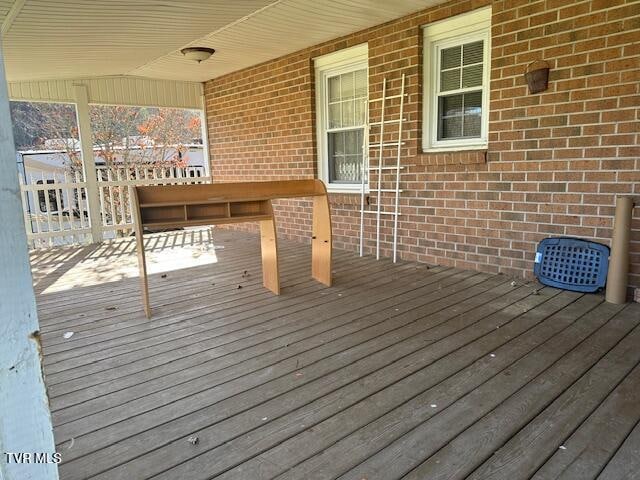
(456, 80)
(341, 107)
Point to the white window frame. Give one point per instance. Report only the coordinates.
(465, 28)
(343, 61)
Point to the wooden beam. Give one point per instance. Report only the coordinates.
(25, 419)
(12, 14)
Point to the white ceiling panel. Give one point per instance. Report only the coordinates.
(64, 39)
(52, 39)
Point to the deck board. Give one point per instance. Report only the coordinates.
(581, 457)
(265, 353)
(625, 463)
(397, 371)
(257, 339)
(191, 411)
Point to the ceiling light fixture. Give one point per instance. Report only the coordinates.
(198, 54)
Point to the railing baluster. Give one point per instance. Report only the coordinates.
(47, 204)
(58, 197)
(36, 204)
(103, 211)
(78, 192)
(28, 225)
(123, 217)
(111, 197)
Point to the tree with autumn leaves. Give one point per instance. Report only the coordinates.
(124, 137)
(127, 137)
(128, 142)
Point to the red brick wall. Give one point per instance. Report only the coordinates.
(555, 160)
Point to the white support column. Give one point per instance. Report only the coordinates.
(25, 419)
(88, 162)
(205, 135)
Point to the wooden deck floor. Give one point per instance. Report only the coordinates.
(398, 371)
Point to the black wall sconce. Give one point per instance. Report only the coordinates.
(537, 76)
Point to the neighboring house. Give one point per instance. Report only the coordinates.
(52, 166)
(491, 168)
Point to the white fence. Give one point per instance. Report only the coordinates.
(56, 209)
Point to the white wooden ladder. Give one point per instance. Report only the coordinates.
(381, 168)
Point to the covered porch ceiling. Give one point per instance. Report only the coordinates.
(75, 39)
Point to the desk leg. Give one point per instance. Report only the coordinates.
(269, 247)
(321, 241)
(142, 266)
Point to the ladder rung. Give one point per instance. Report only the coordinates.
(381, 213)
(384, 190)
(389, 144)
(387, 98)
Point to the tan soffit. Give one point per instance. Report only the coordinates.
(58, 39)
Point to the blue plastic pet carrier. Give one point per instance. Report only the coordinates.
(572, 264)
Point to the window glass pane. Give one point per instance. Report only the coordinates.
(350, 169)
(336, 143)
(335, 115)
(472, 53)
(334, 89)
(361, 83)
(361, 111)
(472, 76)
(348, 112)
(450, 80)
(460, 116)
(450, 57)
(451, 127)
(471, 126)
(472, 114)
(353, 142)
(347, 86)
(345, 156)
(473, 103)
(451, 105)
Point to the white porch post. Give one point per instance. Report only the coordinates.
(88, 162)
(205, 135)
(25, 420)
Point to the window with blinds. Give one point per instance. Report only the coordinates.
(460, 91)
(456, 78)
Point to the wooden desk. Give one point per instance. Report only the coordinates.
(169, 206)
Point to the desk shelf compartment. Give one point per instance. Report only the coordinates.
(207, 211)
(163, 215)
(257, 208)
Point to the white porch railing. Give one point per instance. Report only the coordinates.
(56, 209)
